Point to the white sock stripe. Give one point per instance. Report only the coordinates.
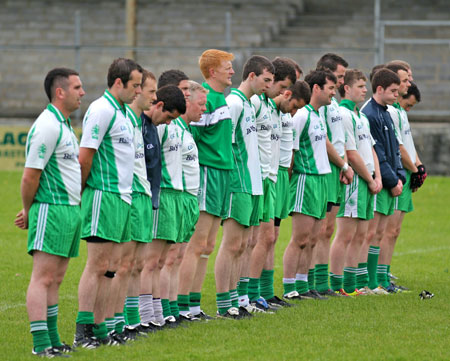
(41, 326)
(289, 280)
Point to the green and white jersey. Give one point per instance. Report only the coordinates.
(357, 133)
(263, 112)
(403, 129)
(107, 129)
(140, 182)
(53, 147)
(171, 164)
(310, 142)
(246, 174)
(275, 140)
(287, 140)
(189, 161)
(335, 129)
(213, 132)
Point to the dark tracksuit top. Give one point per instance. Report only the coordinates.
(386, 144)
(152, 149)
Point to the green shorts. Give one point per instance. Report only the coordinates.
(105, 215)
(168, 218)
(358, 201)
(267, 201)
(309, 194)
(54, 229)
(141, 217)
(243, 208)
(282, 196)
(336, 188)
(190, 216)
(404, 201)
(213, 190)
(384, 202)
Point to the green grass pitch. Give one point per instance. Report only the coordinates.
(395, 327)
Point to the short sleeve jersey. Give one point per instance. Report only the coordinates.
(246, 175)
(403, 129)
(171, 164)
(357, 132)
(263, 113)
(107, 129)
(53, 147)
(275, 140)
(213, 132)
(189, 160)
(140, 182)
(287, 140)
(335, 129)
(310, 142)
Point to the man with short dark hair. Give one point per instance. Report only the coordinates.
(169, 104)
(106, 152)
(308, 183)
(262, 238)
(414, 170)
(318, 271)
(357, 208)
(141, 211)
(51, 189)
(385, 87)
(245, 185)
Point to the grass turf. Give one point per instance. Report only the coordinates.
(395, 327)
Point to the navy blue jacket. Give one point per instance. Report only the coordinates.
(386, 144)
(152, 149)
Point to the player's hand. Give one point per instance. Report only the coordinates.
(422, 173)
(342, 178)
(373, 186)
(379, 184)
(348, 175)
(397, 190)
(21, 220)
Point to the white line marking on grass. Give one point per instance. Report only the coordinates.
(422, 250)
(7, 306)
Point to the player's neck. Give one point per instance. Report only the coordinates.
(58, 105)
(379, 100)
(246, 89)
(136, 109)
(216, 85)
(315, 103)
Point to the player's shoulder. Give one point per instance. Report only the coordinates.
(47, 123)
(235, 100)
(101, 107)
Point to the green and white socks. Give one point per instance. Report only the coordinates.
(372, 263)
(41, 339)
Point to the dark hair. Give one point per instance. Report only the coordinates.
(121, 68)
(256, 64)
(351, 77)
(396, 67)
(284, 68)
(375, 69)
(171, 77)
(57, 78)
(331, 61)
(172, 97)
(384, 78)
(301, 90)
(146, 74)
(413, 90)
(319, 77)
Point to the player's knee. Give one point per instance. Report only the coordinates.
(300, 242)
